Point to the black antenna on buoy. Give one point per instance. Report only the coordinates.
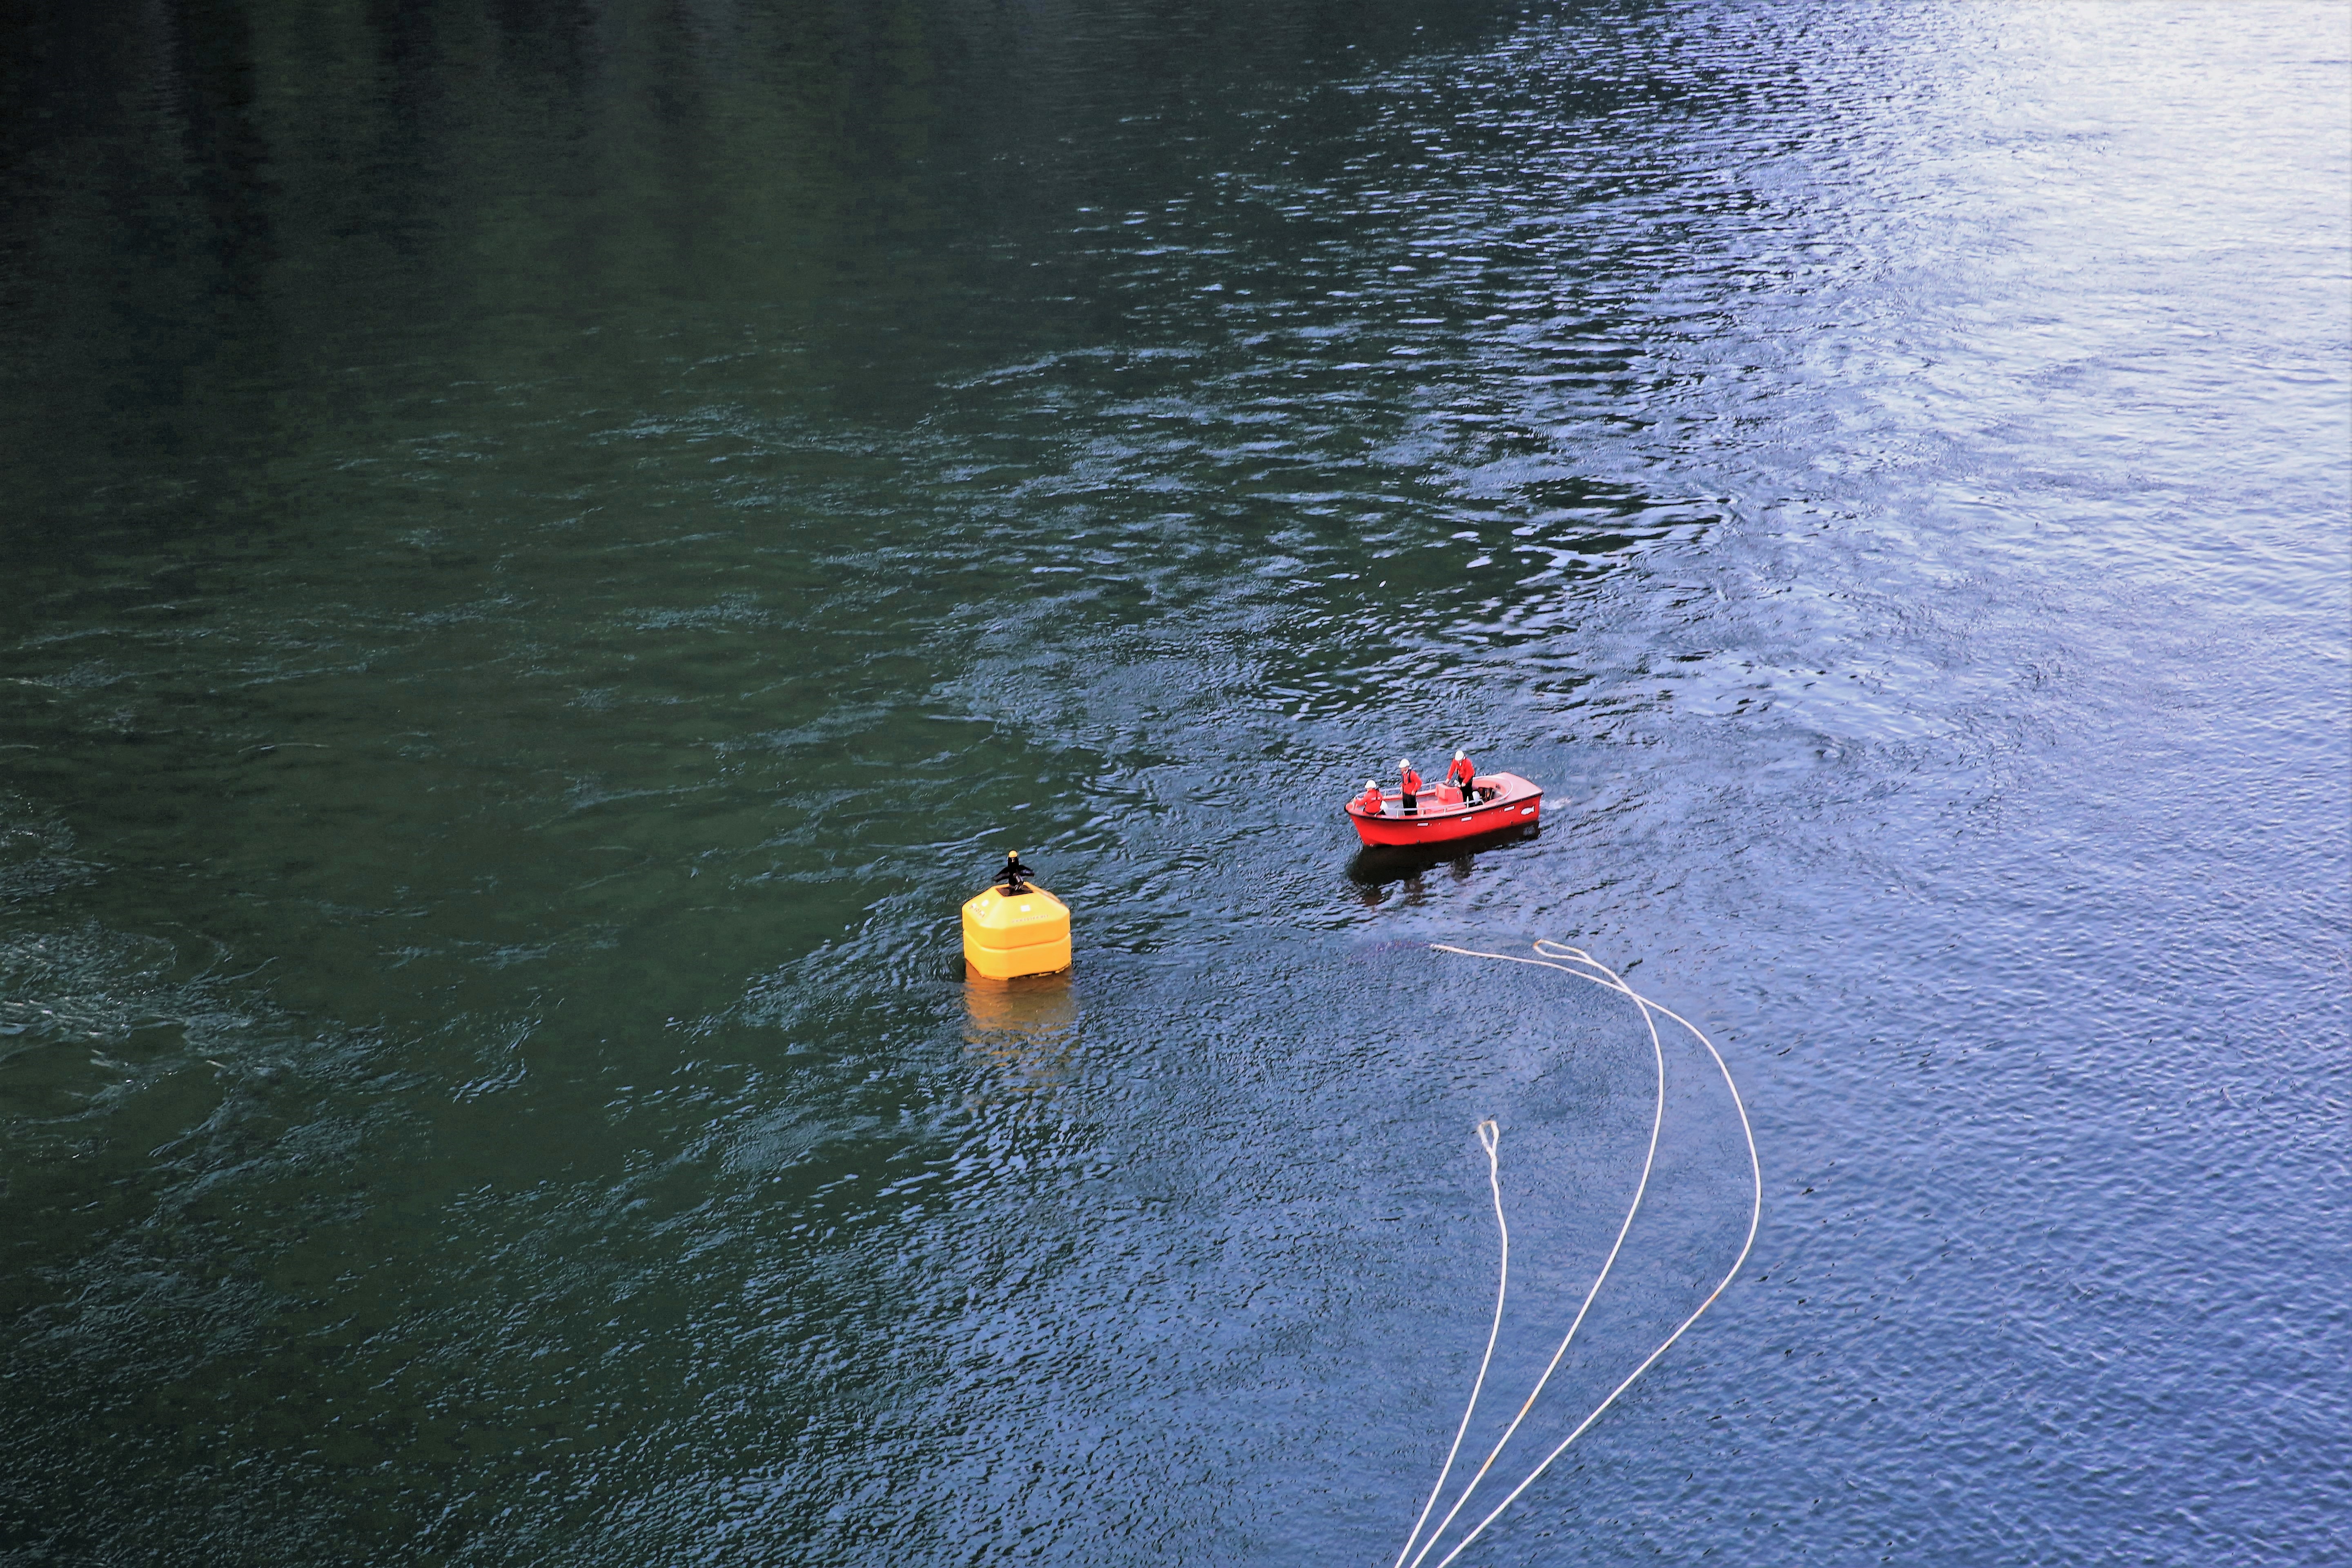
(1015, 872)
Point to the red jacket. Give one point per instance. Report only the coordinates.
(1462, 772)
(1369, 801)
(1411, 782)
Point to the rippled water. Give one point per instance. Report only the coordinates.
(549, 546)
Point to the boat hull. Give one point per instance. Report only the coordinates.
(1516, 802)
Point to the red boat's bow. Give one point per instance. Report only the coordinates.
(1497, 801)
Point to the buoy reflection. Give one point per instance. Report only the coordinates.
(1024, 1032)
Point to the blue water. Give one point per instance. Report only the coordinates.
(549, 547)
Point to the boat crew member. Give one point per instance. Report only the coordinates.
(1369, 803)
(1462, 776)
(1411, 801)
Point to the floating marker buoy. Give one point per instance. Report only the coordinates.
(1015, 926)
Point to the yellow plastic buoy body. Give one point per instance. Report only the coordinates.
(1006, 935)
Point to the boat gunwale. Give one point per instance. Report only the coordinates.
(1507, 796)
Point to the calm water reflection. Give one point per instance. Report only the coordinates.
(549, 546)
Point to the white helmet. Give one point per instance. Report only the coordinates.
(1405, 762)
(1461, 756)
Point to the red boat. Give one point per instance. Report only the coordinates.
(1497, 801)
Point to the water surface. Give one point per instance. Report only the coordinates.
(549, 546)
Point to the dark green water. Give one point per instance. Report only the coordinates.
(545, 548)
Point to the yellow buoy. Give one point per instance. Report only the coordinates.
(1016, 927)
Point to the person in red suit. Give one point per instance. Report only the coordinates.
(1461, 774)
(1411, 801)
(1368, 803)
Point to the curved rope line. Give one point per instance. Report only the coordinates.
(1657, 1120)
(1755, 1219)
(1490, 1134)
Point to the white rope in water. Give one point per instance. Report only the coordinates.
(1657, 1120)
(1490, 1134)
(1548, 951)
